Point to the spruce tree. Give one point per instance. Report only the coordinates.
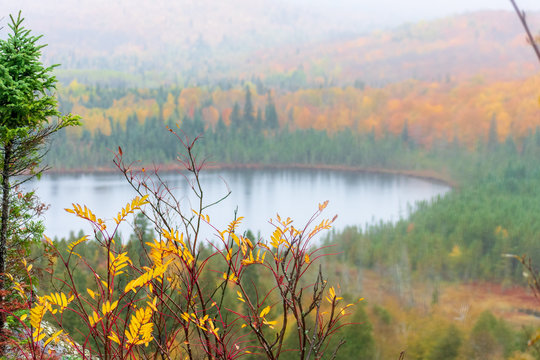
(270, 114)
(27, 105)
(493, 135)
(236, 117)
(249, 111)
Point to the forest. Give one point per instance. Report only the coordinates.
(450, 281)
(456, 239)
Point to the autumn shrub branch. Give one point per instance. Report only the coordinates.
(190, 297)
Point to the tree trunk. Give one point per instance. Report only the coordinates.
(4, 225)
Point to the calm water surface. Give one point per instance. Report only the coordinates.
(357, 198)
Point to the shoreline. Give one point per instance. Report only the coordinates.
(420, 174)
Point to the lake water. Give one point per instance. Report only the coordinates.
(357, 198)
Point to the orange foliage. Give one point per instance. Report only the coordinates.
(226, 116)
(210, 116)
(433, 110)
(169, 107)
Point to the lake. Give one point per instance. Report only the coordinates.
(358, 198)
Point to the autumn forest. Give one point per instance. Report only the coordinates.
(452, 100)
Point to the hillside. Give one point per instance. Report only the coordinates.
(205, 42)
(456, 47)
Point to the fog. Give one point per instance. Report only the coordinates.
(215, 21)
(351, 14)
(205, 38)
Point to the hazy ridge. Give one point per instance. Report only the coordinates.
(139, 43)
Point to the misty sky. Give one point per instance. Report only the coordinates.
(103, 27)
(413, 10)
(395, 12)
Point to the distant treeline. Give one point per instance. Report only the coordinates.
(469, 233)
(247, 134)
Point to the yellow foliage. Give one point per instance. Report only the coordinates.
(135, 205)
(87, 214)
(502, 232)
(58, 299)
(37, 313)
(332, 296)
(175, 246)
(254, 260)
(72, 245)
(107, 307)
(234, 224)
(94, 319)
(118, 263)
(324, 225)
(231, 277)
(140, 327)
(456, 251)
(146, 277)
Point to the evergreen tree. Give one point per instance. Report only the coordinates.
(270, 114)
(359, 342)
(447, 347)
(405, 132)
(236, 117)
(249, 111)
(26, 105)
(221, 129)
(490, 338)
(258, 121)
(493, 135)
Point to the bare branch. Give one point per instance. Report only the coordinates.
(530, 37)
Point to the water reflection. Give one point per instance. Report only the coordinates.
(358, 198)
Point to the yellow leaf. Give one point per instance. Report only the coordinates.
(140, 327)
(75, 243)
(107, 307)
(534, 339)
(91, 293)
(94, 318)
(38, 335)
(36, 315)
(265, 311)
(270, 323)
(332, 296)
(114, 337)
(53, 337)
(135, 204)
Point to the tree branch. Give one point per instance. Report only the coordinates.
(521, 16)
